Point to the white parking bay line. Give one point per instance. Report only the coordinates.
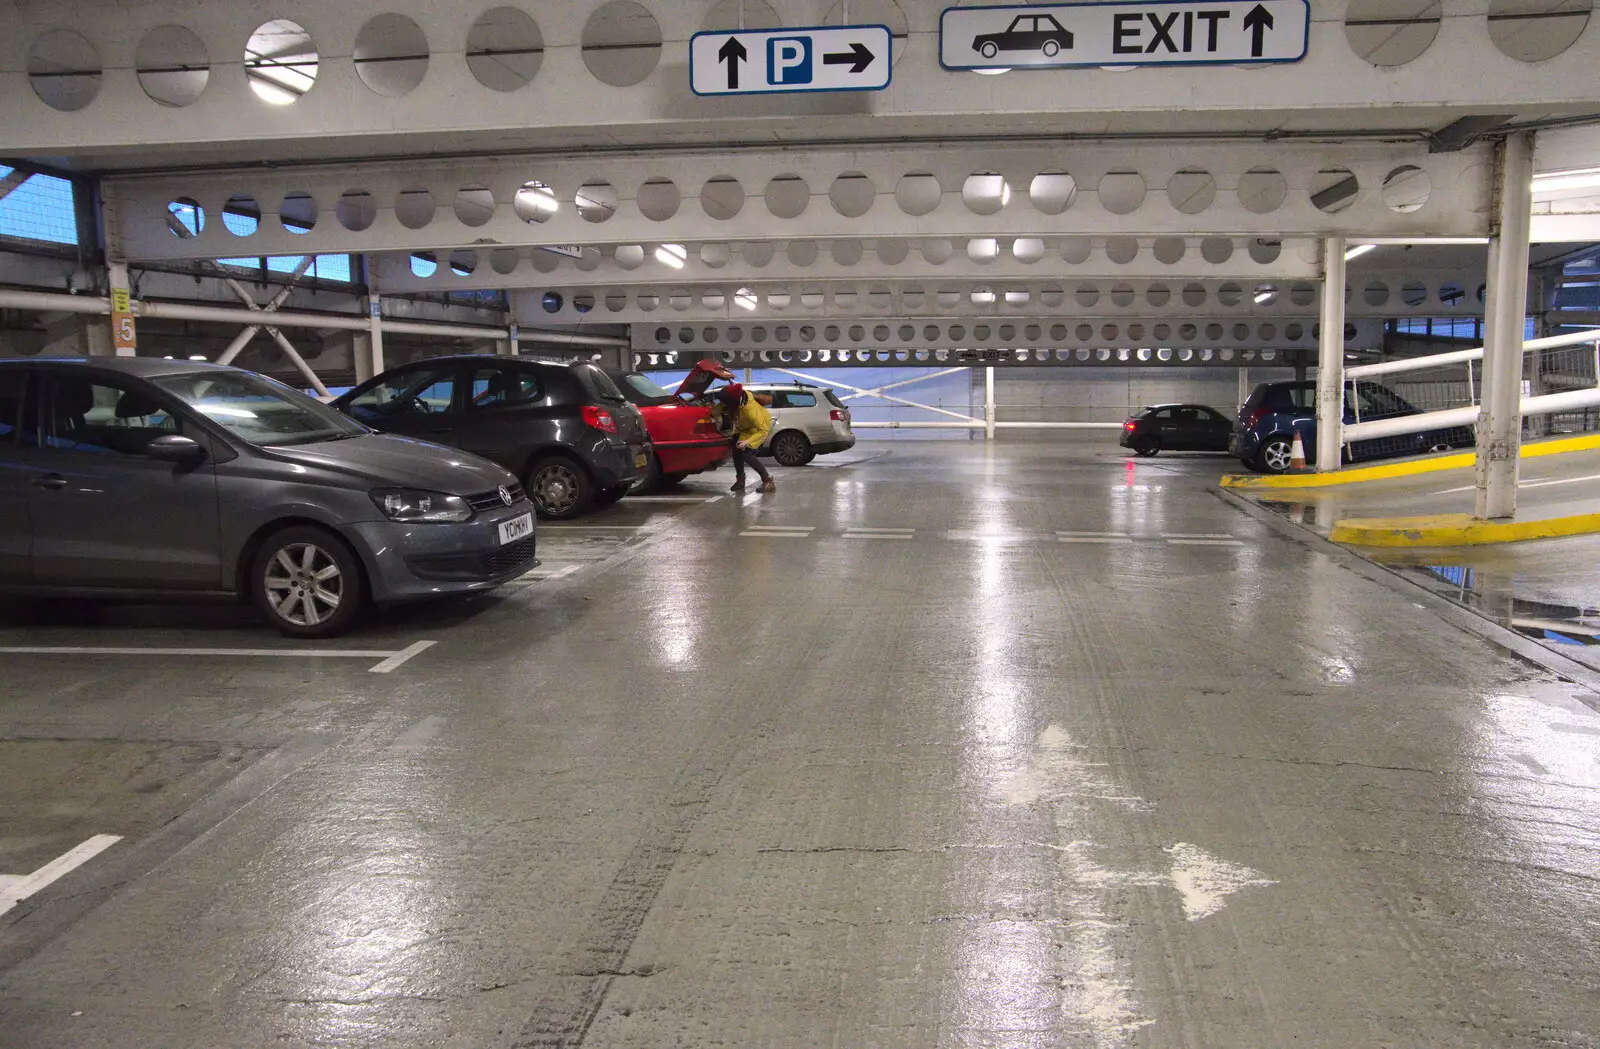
(390, 660)
(780, 528)
(1197, 535)
(14, 889)
(1092, 535)
(673, 498)
(1093, 539)
(852, 534)
(771, 534)
(1206, 542)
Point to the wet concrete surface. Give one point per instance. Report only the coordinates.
(951, 746)
(1545, 589)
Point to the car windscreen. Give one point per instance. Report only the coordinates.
(598, 383)
(645, 391)
(1375, 402)
(258, 410)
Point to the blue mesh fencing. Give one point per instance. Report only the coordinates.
(40, 209)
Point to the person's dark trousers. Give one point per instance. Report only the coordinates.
(740, 458)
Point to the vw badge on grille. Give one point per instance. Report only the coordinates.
(505, 495)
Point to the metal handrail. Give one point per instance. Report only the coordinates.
(1437, 360)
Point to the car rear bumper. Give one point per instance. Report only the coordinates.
(409, 562)
(619, 465)
(838, 444)
(690, 457)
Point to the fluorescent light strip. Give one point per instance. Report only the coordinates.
(1358, 251)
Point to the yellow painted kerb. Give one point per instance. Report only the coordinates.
(1403, 468)
(1455, 530)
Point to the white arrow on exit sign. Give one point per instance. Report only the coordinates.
(1162, 33)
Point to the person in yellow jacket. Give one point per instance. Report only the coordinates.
(751, 426)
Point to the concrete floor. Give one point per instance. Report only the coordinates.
(1091, 758)
(1547, 589)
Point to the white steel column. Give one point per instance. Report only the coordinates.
(1330, 358)
(1505, 307)
(988, 403)
(1244, 386)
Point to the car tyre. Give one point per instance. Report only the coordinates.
(1051, 48)
(792, 448)
(654, 478)
(307, 582)
(559, 487)
(1275, 454)
(1146, 446)
(608, 496)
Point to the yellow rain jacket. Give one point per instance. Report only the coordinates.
(752, 426)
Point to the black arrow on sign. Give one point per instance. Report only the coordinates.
(858, 57)
(1258, 21)
(732, 53)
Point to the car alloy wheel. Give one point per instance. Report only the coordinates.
(792, 449)
(559, 488)
(1438, 447)
(1275, 455)
(307, 582)
(1147, 446)
(304, 584)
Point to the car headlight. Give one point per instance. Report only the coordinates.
(411, 504)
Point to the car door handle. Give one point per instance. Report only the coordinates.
(54, 482)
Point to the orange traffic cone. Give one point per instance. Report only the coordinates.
(1297, 454)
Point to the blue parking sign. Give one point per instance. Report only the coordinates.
(789, 60)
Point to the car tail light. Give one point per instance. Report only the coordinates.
(1128, 425)
(598, 418)
(838, 416)
(1255, 417)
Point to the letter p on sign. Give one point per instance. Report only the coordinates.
(789, 60)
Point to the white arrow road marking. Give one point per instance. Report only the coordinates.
(16, 888)
(1098, 998)
(1060, 772)
(1204, 881)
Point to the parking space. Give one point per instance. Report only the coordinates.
(721, 746)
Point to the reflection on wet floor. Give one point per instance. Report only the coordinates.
(1309, 513)
(1573, 630)
(1545, 590)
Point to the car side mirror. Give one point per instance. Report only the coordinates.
(173, 448)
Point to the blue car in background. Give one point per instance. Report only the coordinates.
(1263, 434)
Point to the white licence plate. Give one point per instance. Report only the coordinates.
(516, 528)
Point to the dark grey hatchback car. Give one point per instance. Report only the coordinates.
(561, 426)
(127, 475)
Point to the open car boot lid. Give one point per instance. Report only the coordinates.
(700, 378)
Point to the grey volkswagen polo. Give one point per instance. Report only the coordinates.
(126, 476)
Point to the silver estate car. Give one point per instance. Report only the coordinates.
(807, 421)
(126, 476)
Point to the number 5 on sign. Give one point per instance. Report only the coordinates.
(123, 336)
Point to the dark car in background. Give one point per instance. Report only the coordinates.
(562, 427)
(1176, 428)
(1263, 435)
(126, 476)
